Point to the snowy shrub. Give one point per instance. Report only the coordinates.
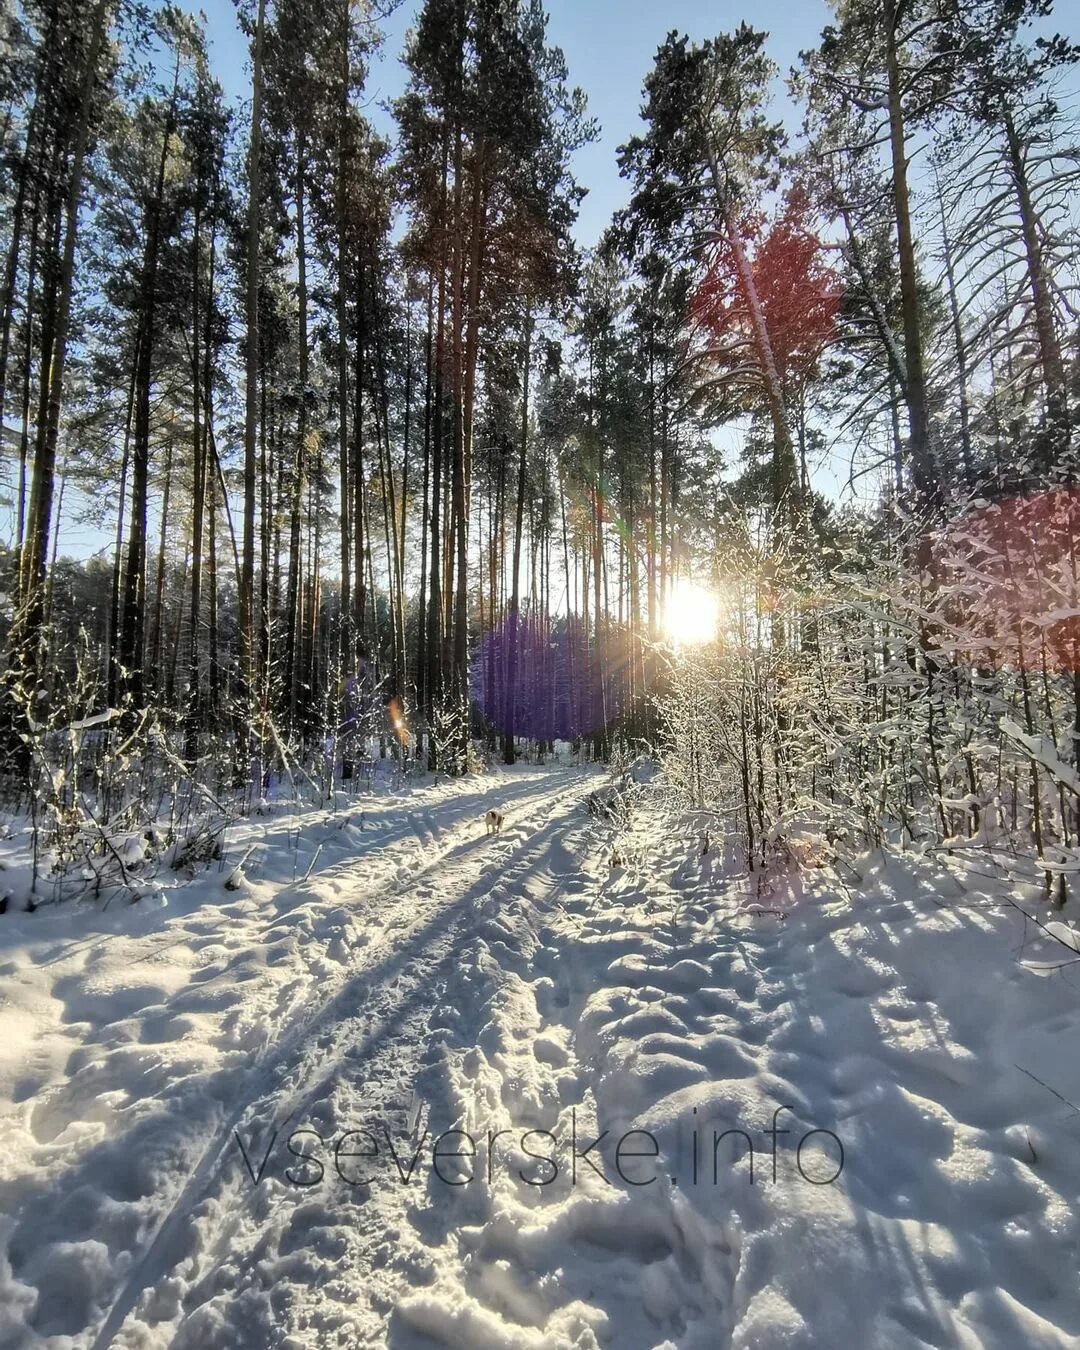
(868, 701)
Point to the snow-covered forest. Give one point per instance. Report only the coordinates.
(613, 687)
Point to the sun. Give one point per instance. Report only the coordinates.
(691, 614)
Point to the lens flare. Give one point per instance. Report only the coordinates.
(691, 614)
(397, 720)
(1008, 574)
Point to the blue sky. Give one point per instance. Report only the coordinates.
(609, 47)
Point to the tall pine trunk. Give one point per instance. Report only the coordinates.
(249, 655)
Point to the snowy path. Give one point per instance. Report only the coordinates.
(673, 997)
(232, 1126)
(232, 1015)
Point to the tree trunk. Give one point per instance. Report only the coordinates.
(39, 522)
(293, 605)
(927, 487)
(134, 621)
(251, 384)
(513, 626)
(1053, 370)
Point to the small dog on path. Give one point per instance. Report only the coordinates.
(493, 822)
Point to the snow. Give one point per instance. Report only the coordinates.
(340, 1087)
(1043, 751)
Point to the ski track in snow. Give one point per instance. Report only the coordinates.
(354, 939)
(427, 978)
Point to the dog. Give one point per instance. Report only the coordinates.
(493, 822)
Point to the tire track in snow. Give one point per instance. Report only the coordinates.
(270, 1076)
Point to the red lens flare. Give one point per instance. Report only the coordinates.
(1009, 574)
(788, 278)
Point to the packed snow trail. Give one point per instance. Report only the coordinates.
(433, 1127)
(154, 1125)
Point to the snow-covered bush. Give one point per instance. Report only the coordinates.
(866, 695)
